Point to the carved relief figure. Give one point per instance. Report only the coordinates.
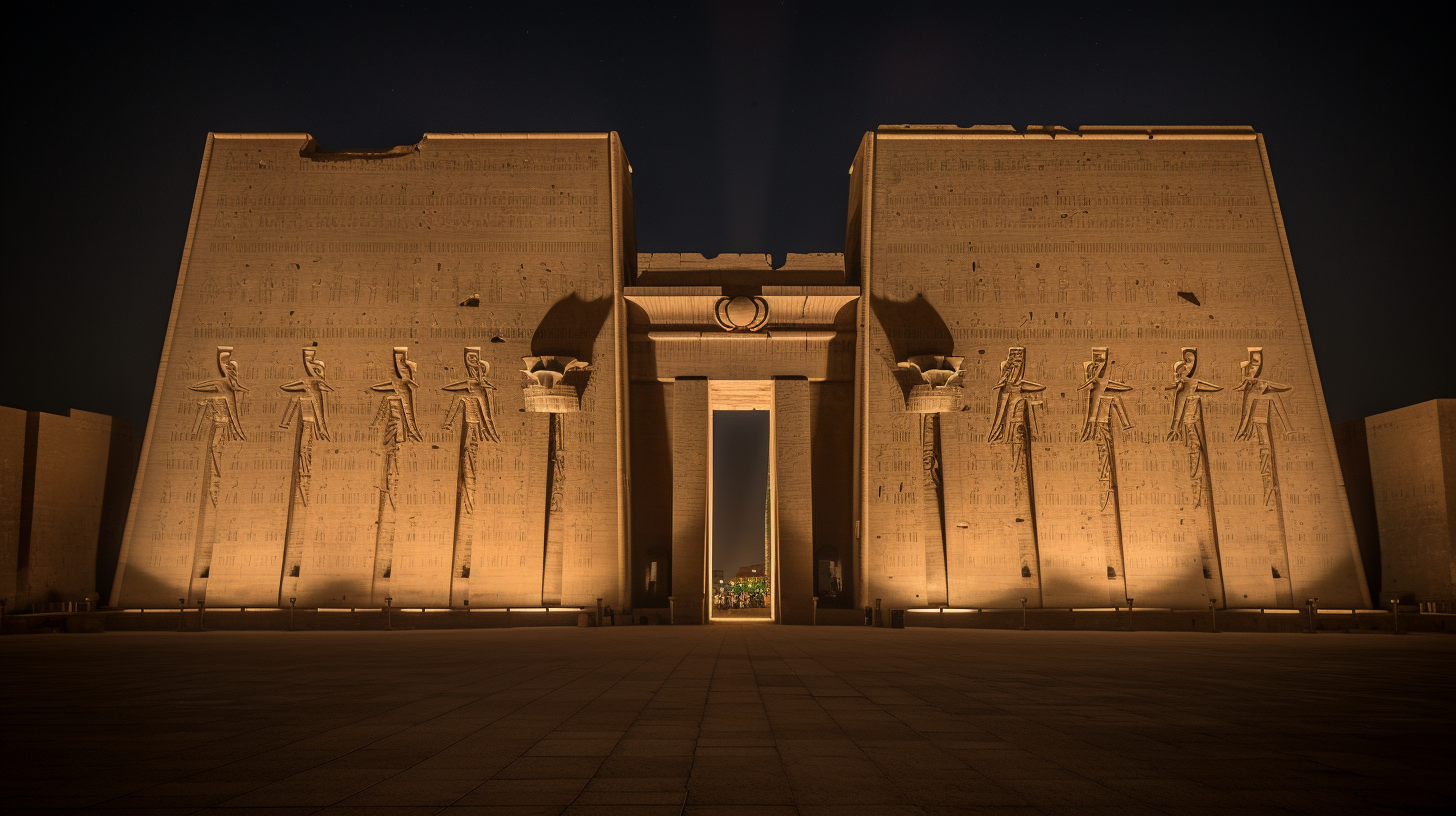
(308, 409)
(1014, 423)
(1187, 427)
(219, 420)
(547, 392)
(396, 417)
(473, 405)
(938, 390)
(1262, 402)
(1015, 420)
(1261, 398)
(1104, 403)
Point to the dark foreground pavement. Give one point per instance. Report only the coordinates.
(727, 719)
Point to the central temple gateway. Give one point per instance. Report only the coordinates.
(1053, 367)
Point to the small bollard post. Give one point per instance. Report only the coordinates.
(201, 612)
(389, 614)
(1395, 607)
(1129, 614)
(181, 614)
(1024, 627)
(1213, 614)
(1309, 605)
(816, 610)
(671, 611)
(292, 602)
(600, 619)
(879, 613)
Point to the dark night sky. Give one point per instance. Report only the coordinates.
(740, 477)
(740, 120)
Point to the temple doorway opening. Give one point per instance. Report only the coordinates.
(741, 582)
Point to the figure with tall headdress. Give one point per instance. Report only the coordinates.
(222, 409)
(308, 410)
(1187, 427)
(1014, 423)
(221, 413)
(473, 405)
(396, 417)
(1103, 404)
(1261, 404)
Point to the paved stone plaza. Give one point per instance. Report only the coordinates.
(727, 719)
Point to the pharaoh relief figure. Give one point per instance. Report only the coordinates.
(221, 410)
(1187, 426)
(1015, 419)
(221, 415)
(396, 416)
(1261, 400)
(473, 405)
(1262, 403)
(1103, 404)
(308, 409)
(1014, 423)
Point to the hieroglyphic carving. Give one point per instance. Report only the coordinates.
(396, 415)
(219, 420)
(1014, 423)
(1187, 427)
(308, 407)
(1103, 403)
(1261, 398)
(547, 393)
(473, 405)
(939, 390)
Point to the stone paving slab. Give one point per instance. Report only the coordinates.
(764, 720)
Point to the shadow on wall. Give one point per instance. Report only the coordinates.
(570, 329)
(913, 327)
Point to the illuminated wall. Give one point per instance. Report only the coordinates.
(340, 414)
(1139, 413)
(1069, 367)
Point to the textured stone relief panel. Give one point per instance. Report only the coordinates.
(387, 268)
(1138, 248)
(688, 409)
(793, 496)
(1413, 469)
(71, 459)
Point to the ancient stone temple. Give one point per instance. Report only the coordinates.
(1064, 368)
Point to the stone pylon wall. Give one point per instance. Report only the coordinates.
(1141, 413)
(339, 414)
